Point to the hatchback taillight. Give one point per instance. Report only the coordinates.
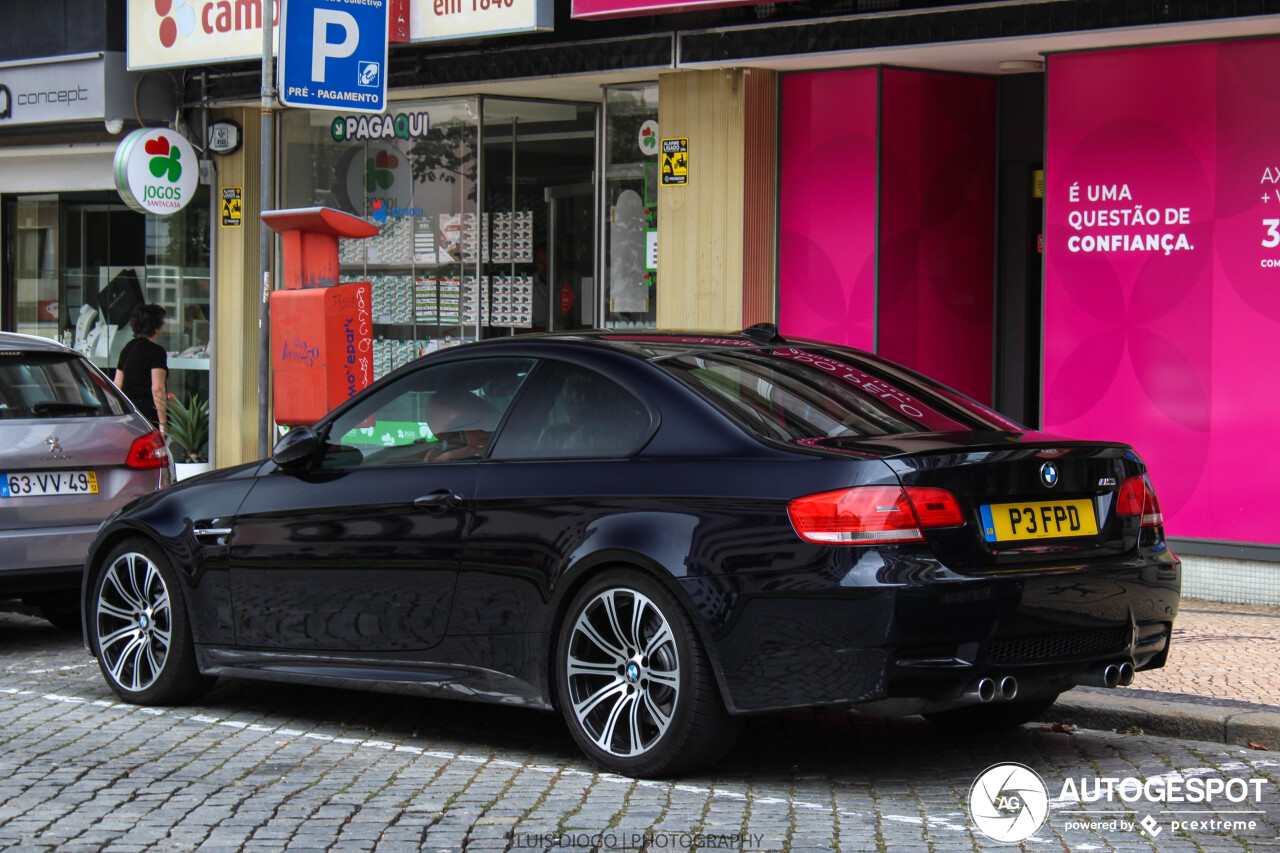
(148, 451)
(874, 514)
(1137, 497)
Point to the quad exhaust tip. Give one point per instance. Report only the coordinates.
(1110, 675)
(1005, 688)
(989, 689)
(984, 690)
(1126, 674)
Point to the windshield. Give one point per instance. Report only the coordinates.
(52, 385)
(792, 394)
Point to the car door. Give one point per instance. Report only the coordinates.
(358, 550)
(557, 474)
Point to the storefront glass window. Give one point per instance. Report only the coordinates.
(82, 261)
(486, 209)
(631, 206)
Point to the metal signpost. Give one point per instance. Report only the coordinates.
(333, 55)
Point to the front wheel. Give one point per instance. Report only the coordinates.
(139, 628)
(634, 683)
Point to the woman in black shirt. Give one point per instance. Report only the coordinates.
(143, 368)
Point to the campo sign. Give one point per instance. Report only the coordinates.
(155, 171)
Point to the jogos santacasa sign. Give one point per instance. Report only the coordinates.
(156, 170)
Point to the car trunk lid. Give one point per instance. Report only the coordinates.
(1025, 497)
(33, 453)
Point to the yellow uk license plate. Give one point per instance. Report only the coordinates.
(1038, 520)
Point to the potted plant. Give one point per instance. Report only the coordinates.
(189, 435)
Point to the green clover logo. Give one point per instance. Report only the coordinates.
(377, 171)
(165, 159)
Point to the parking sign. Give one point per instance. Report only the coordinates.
(333, 54)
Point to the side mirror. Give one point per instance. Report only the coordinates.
(299, 444)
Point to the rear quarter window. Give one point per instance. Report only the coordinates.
(571, 412)
(793, 394)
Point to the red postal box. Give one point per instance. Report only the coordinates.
(322, 349)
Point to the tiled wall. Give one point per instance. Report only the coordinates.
(1233, 581)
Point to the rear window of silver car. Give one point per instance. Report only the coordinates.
(43, 385)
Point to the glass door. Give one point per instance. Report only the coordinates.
(539, 191)
(630, 191)
(569, 258)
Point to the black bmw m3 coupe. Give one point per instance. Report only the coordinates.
(654, 534)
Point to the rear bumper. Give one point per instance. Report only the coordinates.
(825, 638)
(44, 559)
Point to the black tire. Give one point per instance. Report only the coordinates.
(639, 696)
(992, 716)
(60, 608)
(139, 630)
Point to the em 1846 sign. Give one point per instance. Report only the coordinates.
(156, 171)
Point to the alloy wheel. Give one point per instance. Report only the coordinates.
(134, 621)
(623, 672)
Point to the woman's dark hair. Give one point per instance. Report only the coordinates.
(147, 319)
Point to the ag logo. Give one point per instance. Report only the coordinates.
(1008, 802)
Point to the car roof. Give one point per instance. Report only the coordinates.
(647, 344)
(30, 343)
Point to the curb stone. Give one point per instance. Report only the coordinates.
(1187, 720)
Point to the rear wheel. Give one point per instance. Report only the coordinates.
(139, 628)
(634, 683)
(992, 716)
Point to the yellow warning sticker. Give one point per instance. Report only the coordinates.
(675, 162)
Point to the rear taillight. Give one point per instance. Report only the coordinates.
(1137, 497)
(874, 514)
(148, 451)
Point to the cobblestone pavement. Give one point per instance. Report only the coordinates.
(1222, 651)
(261, 767)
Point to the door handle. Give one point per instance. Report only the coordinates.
(437, 501)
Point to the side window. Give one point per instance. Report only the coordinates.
(441, 413)
(569, 412)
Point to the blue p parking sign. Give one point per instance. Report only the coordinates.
(333, 54)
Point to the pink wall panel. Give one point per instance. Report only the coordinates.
(1162, 331)
(827, 207)
(937, 226)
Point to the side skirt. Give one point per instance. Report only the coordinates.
(436, 680)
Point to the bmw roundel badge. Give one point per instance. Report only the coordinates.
(1049, 474)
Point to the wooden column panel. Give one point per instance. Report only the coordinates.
(236, 317)
(717, 234)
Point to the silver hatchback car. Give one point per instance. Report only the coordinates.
(72, 450)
